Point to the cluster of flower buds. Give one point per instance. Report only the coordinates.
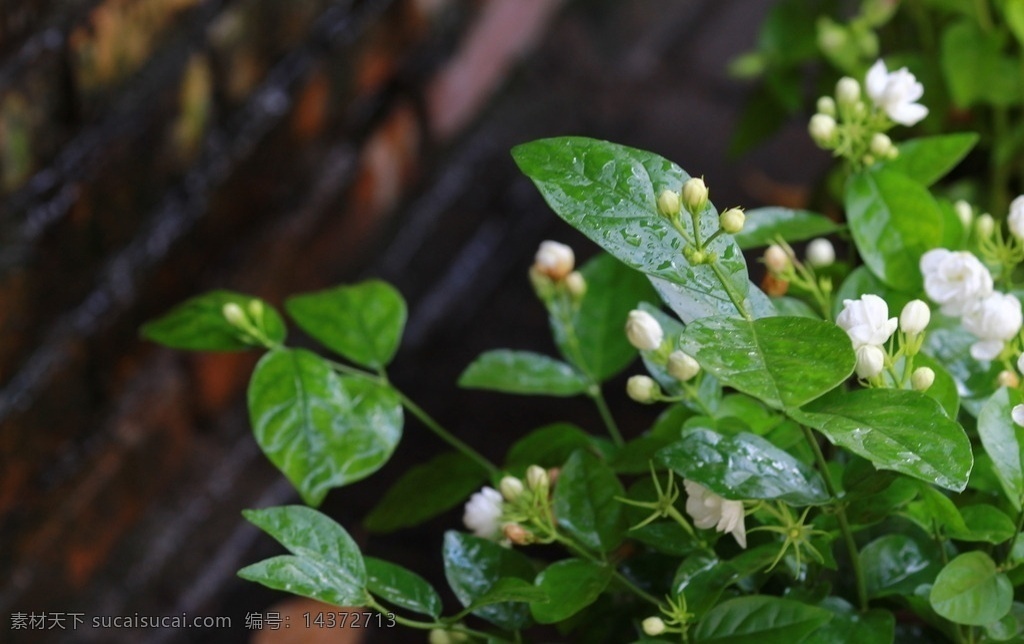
(784, 269)
(645, 333)
(553, 272)
(866, 321)
(853, 128)
(516, 510)
(249, 322)
(693, 198)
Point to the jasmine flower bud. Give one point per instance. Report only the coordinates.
(870, 361)
(964, 213)
(517, 534)
(826, 106)
(881, 145)
(554, 260)
(776, 259)
(732, 220)
(653, 626)
(576, 285)
(847, 91)
(1007, 378)
(668, 203)
(1017, 413)
(1015, 220)
(922, 378)
(914, 317)
(695, 195)
(234, 314)
(511, 488)
(642, 389)
(823, 129)
(681, 366)
(821, 253)
(643, 331)
(984, 226)
(537, 478)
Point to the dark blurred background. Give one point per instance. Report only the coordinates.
(151, 150)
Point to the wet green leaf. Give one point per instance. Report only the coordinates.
(1003, 441)
(325, 563)
(401, 587)
(758, 619)
(584, 502)
(763, 225)
(571, 585)
(474, 566)
(928, 159)
(895, 429)
(743, 466)
(522, 372)
(785, 362)
(199, 324)
(896, 564)
(363, 322)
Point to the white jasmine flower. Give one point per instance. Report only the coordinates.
(554, 260)
(1015, 220)
(896, 93)
(957, 281)
(996, 319)
(866, 321)
(914, 317)
(643, 331)
(483, 513)
(1018, 414)
(710, 510)
(821, 253)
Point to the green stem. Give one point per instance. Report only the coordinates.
(606, 416)
(844, 524)
(1020, 526)
(414, 623)
(447, 436)
(730, 290)
(622, 579)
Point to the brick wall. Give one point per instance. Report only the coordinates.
(152, 149)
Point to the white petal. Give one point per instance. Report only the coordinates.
(907, 113)
(986, 349)
(876, 80)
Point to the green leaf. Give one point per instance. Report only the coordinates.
(547, 446)
(474, 566)
(949, 344)
(362, 322)
(763, 225)
(848, 626)
(943, 390)
(899, 430)
(896, 564)
(690, 306)
(425, 491)
(1003, 441)
(600, 347)
(785, 362)
(608, 192)
(320, 429)
(743, 466)
(971, 590)
(986, 523)
(1011, 626)
(571, 585)
(584, 502)
(758, 618)
(975, 68)
(325, 563)
(401, 587)
(522, 372)
(928, 159)
(935, 512)
(702, 579)
(894, 220)
(792, 307)
(199, 324)
(509, 590)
